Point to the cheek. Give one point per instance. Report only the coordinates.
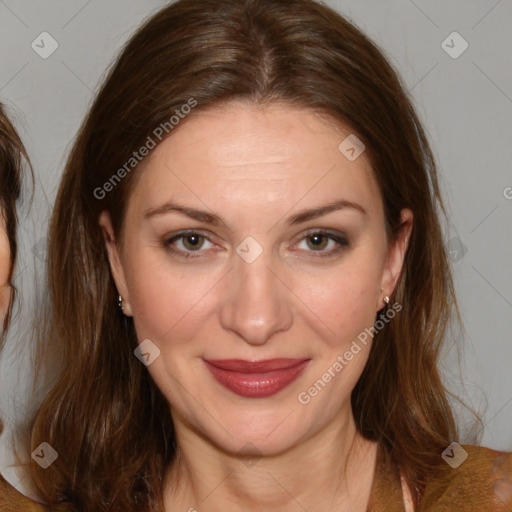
(343, 299)
(168, 302)
(174, 301)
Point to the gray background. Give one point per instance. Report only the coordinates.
(465, 103)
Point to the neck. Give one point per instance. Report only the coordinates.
(332, 469)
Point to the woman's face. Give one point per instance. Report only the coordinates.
(251, 281)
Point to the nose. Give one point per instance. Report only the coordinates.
(256, 304)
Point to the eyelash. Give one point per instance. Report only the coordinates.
(341, 243)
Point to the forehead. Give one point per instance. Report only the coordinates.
(250, 154)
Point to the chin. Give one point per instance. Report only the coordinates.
(257, 435)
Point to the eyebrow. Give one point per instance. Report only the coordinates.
(216, 220)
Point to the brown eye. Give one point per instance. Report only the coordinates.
(323, 243)
(318, 241)
(193, 241)
(186, 243)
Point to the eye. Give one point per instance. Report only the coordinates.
(318, 241)
(185, 243)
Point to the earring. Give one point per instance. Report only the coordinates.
(386, 298)
(120, 302)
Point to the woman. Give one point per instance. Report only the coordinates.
(248, 281)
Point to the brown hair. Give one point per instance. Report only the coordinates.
(105, 417)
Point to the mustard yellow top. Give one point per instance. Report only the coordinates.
(482, 483)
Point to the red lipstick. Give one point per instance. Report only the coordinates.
(256, 379)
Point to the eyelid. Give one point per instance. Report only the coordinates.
(322, 231)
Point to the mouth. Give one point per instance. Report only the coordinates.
(256, 379)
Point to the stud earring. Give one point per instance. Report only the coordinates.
(120, 302)
(386, 298)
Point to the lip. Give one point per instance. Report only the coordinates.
(256, 379)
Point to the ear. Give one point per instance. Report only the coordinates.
(395, 257)
(114, 258)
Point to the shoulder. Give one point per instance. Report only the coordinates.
(11, 500)
(470, 478)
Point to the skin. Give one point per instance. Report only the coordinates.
(5, 265)
(255, 167)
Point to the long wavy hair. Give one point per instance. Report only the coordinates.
(105, 417)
